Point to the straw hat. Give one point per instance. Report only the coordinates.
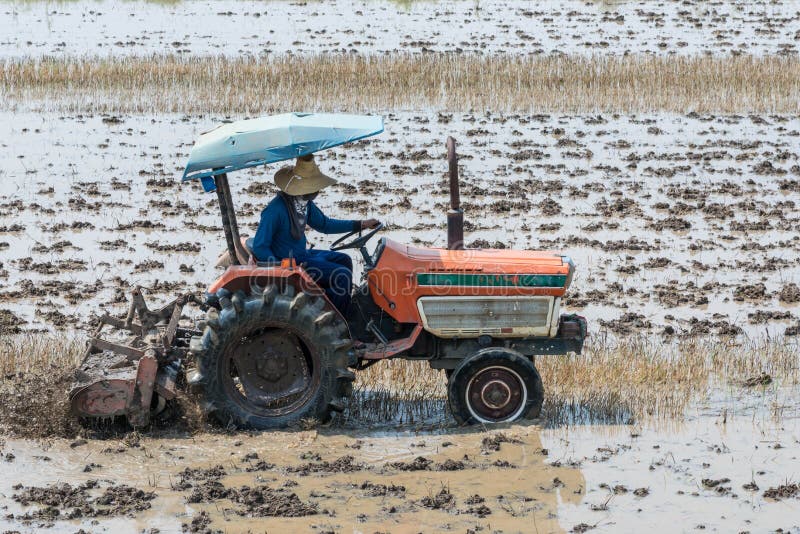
(302, 179)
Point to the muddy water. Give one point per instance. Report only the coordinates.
(376, 496)
(257, 28)
(683, 224)
(709, 472)
(714, 470)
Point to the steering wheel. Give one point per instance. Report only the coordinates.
(358, 242)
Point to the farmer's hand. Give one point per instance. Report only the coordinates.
(369, 223)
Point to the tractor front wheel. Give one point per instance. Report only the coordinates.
(495, 385)
(271, 359)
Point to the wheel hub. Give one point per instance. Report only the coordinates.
(496, 394)
(270, 367)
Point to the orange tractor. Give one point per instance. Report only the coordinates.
(273, 350)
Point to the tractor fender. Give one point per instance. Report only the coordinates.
(250, 278)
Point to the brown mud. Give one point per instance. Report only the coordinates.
(724, 468)
(209, 482)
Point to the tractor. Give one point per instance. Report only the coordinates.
(272, 350)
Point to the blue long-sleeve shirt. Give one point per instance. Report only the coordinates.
(274, 242)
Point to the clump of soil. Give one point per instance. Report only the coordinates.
(188, 476)
(381, 490)
(492, 443)
(58, 495)
(752, 292)
(208, 491)
(64, 501)
(345, 464)
(763, 316)
(444, 500)
(717, 485)
(790, 293)
(256, 501)
(211, 473)
(451, 465)
(262, 501)
(627, 323)
(481, 510)
(620, 207)
(9, 322)
(260, 465)
(124, 500)
(199, 524)
(783, 491)
(670, 223)
(484, 244)
(420, 463)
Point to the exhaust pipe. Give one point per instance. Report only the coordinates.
(455, 215)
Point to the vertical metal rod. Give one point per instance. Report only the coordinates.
(221, 181)
(452, 168)
(455, 216)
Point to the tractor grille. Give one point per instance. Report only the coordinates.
(495, 316)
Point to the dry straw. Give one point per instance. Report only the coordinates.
(614, 381)
(617, 381)
(733, 84)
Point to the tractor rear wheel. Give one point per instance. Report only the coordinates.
(271, 359)
(495, 385)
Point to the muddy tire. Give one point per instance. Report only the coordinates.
(495, 385)
(271, 359)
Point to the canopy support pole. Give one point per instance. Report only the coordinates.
(229, 224)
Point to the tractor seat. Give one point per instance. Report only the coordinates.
(248, 245)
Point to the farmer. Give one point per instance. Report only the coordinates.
(281, 232)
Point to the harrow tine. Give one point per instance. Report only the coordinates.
(172, 326)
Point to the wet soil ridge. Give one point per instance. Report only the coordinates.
(64, 501)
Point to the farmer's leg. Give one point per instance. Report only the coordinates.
(333, 271)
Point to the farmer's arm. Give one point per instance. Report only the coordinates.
(319, 222)
(262, 243)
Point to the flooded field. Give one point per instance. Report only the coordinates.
(729, 467)
(656, 143)
(258, 28)
(679, 224)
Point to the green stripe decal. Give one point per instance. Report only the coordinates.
(491, 280)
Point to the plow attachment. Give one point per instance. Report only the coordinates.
(135, 376)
